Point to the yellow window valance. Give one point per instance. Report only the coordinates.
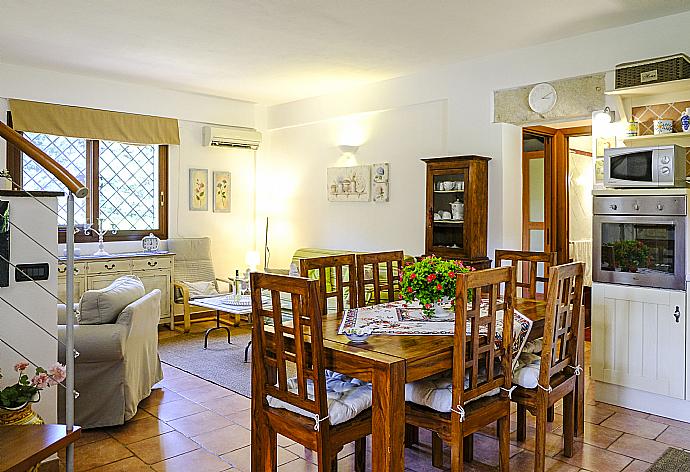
(77, 122)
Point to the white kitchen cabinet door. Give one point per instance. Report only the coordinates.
(638, 338)
(79, 288)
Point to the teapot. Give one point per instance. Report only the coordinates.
(457, 209)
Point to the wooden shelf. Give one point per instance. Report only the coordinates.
(680, 139)
(653, 89)
(449, 222)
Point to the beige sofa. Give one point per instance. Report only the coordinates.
(118, 360)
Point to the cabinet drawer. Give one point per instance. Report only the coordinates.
(148, 263)
(79, 268)
(108, 266)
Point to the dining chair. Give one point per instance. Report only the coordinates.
(337, 276)
(553, 376)
(526, 280)
(377, 276)
(319, 413)
(475, 393)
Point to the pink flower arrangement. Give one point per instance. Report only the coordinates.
(26, 390)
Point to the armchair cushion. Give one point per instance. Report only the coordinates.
(200, 289)
(62, 314)
(104, 305)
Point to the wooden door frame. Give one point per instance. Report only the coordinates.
(556, 192)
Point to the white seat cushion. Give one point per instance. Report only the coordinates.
(347, 397)
(201, 289)
(527, 372)
(436, 392)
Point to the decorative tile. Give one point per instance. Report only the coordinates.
(645, 115)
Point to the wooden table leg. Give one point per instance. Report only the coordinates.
(388, 418)
(237, 320)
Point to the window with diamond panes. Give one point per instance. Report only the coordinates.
(71, 154)
(128, 181)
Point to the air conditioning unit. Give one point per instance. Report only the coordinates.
(247, 138)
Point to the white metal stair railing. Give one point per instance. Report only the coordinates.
(75, 188)
(68, 383)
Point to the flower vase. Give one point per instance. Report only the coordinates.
(21, 415)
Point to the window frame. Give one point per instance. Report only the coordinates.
(15, 168)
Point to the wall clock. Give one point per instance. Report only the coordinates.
(542, 98)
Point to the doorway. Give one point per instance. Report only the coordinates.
(557, 182)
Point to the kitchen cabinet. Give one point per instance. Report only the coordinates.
(92, 273)
(456, 208)
(639, 338)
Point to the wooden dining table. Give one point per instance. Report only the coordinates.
(389, 362)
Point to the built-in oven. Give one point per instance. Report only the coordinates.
(640, 240)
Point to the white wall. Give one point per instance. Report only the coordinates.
(467, 89)
(28, 339)
(230, 232)
(291, 187)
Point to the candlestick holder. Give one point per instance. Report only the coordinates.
(101, 231)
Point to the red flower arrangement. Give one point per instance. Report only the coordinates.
(430, 280)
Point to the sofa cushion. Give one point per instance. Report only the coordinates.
(347, 397)
(103, 306)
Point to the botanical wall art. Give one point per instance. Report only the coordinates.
(380, 192)
(380, 172)
(349, 184)
(221, 192)
(198, 189)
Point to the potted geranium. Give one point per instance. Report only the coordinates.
(16, 399)
(431, 281)
(630, 254)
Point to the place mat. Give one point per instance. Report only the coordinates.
(407, 319)
(673, 460)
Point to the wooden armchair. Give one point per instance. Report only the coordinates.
(377, 276)
(304, 409)
(193, 263)
(527, 278)
(481, 373)
(337, 276)
(560, 363)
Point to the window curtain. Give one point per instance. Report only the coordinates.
(77, 122)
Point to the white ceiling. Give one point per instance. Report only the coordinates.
(272, 51)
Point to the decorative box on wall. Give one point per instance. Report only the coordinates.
(92, 273)
(456, 208)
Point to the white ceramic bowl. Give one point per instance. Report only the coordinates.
(358, 335)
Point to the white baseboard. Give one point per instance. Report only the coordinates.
(659, 405)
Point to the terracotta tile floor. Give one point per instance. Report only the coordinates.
(190, 424)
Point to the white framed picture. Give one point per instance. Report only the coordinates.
(221, 192)
(198, 189)
(349, 184)
(380, 192)
(379, 172)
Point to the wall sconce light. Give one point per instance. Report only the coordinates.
(605, 116)
(348, 149)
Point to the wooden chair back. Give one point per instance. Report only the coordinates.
(562, 320)
(337, 273)
(378, 275)
(289, 343)
(477, 346)
(528, 276)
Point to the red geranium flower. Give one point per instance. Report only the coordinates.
(427, 305)
(439, 287)
(451, 274)
(409, 289)
(413, 275)
(431, 277)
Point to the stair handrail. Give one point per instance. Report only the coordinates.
(47, 162)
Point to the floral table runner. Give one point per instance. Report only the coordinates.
(402, 319)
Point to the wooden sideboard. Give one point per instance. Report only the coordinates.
(95, 272)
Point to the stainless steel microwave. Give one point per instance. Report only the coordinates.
(654, 166)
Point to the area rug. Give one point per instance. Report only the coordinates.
(222, 363)
(673, 460)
